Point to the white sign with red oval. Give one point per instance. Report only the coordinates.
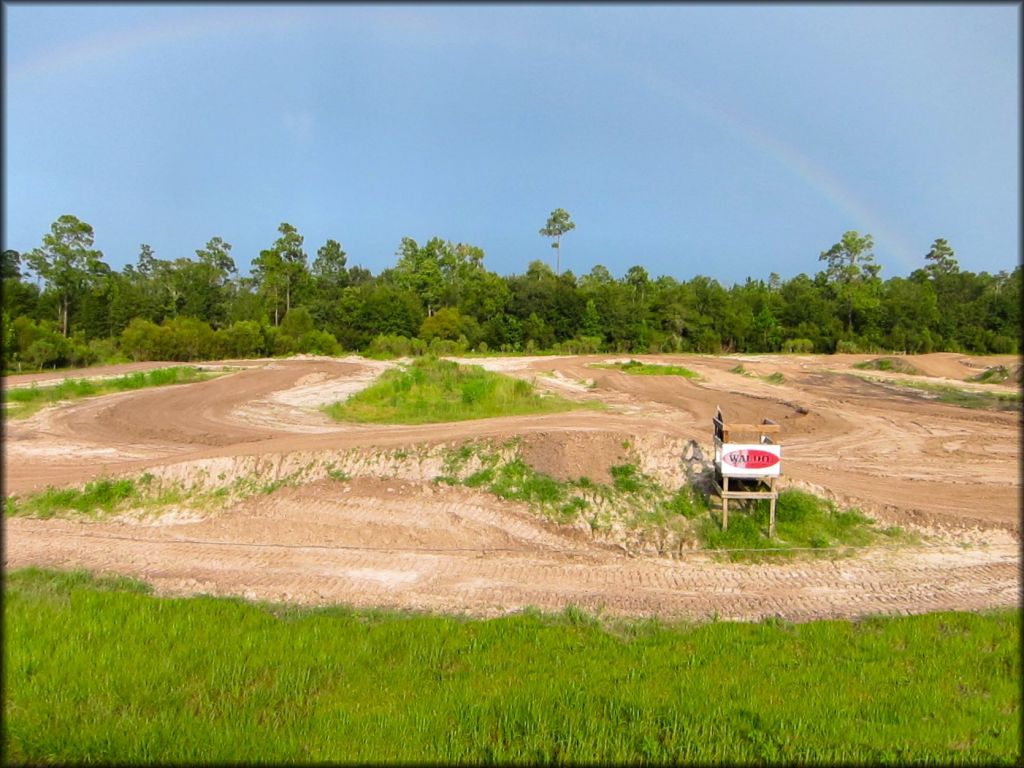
(751, 460)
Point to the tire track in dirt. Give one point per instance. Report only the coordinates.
(490, 584)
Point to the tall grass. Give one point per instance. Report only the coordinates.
(24, 401)
(99, 496)
(804, 523)
(432, 390)
(96, 670)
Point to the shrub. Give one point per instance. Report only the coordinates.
(297, 323)
(190, 339)
(145, 340)
(798, 346)
(320, 343)
(582, 345)
(241, 339)
(106, 350)
(394, 345)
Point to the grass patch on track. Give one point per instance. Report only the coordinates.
(103, 497)
(430, 390)
(22, 402)
(804, 524)
(145, 495)
(637, 368)
(965, 398)
(995, 375)
(771, 378)
(97, 670)
(888, 364)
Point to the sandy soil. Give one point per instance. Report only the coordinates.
(949, 472)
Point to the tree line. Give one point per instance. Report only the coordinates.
(63, 305)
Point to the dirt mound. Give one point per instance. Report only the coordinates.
(572, 455)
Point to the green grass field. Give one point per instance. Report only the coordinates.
(431, 390)
(100, 671)
(24, 401)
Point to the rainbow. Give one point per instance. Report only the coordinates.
(860, 215)
(121, 42)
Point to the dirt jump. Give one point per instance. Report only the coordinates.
(393, 537)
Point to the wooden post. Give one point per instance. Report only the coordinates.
(725, 504)
(771, 520)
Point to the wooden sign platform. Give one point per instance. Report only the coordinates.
(752, 465)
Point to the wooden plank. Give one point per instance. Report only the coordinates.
(749, 495)
(772, 427)
(725, 504)
(768, 429)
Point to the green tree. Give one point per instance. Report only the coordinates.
(852, 272)
(329, 279)
(591, 324)
(419, 271)
(941, 260)
(293, 260)
(10, 265)
(8, 339)
(768, 331)
(443, 324)
(281, 269)
(241, 340)
(329, 265)
(19, 297)
(558, 224)
(268, 273)
(217, 254)
(297, 323)
(66, 261)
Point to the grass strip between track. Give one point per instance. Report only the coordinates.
(24, 401)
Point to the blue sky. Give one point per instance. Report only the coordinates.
(691, 139)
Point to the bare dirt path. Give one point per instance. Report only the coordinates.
(378, 542)
(455, 550)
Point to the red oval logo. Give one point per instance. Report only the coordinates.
(752, 458)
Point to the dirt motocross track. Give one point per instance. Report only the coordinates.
(391, 537)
